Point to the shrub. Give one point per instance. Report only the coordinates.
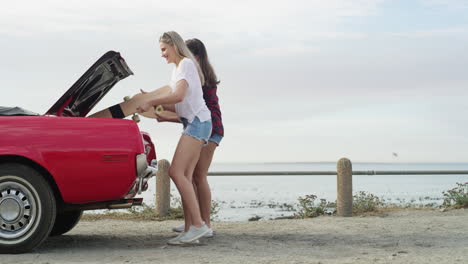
(366, 202)
(457, 197)
(308, 208)
(215, 207)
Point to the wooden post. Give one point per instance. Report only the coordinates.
(344, 201)
(163, 188)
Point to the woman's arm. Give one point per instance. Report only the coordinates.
(173, 98)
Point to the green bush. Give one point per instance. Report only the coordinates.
(308, 208)
(456, 197)
(366, 202)
(363, 202)
(215, 207)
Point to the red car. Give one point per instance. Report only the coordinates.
(54, 166)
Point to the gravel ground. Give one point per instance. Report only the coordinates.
(406, 236)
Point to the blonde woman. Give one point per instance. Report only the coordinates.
(200, 174)
(187, 100)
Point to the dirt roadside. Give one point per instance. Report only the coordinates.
(407, 236)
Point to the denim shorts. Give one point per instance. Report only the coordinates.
(196, 129)
(216, 138)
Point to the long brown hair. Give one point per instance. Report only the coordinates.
(199, 51)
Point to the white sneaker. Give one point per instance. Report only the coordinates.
(179, 229)
(194, 233)
(210, 233)
(176, 240)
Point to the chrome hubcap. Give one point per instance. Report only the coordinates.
(9, 209)
(17, 209)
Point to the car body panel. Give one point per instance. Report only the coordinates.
(90, 159)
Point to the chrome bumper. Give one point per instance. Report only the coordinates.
(144, 173)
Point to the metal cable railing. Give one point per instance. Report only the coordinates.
(322, 173)
(344, 182)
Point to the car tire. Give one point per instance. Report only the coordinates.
(65, 221)
(27, 208)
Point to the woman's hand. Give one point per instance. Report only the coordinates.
(144, 107)
(167, 116)
(162, 117)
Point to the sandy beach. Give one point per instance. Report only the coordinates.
(403, 236)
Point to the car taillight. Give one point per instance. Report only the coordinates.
(149, 148)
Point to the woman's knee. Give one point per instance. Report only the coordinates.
(199, 176)
(175, 173)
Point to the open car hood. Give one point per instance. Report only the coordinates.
(92, 86)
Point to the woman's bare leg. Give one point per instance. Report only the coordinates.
(129, 107)
(201, 186)
(105, 113)
(200, 178)
(181, 172)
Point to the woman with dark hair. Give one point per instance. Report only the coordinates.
(206, 156)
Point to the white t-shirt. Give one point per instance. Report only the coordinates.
(193, 103)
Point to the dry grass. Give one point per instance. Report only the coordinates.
(147, 214)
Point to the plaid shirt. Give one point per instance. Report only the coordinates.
(211, 99)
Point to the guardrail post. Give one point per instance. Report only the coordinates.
(163, 188)
(344, 201)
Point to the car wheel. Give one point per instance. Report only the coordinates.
(65, 221)
(27, 208)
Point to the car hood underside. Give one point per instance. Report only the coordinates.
(92, 86)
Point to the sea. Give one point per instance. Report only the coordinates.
(241, 198)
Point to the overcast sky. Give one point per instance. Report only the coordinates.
(305, 80)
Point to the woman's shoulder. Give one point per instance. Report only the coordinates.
(187, 61)
(186, 64)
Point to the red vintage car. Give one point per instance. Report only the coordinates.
(54, 166)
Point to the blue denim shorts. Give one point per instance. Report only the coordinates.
(216, 138)
(196, 129)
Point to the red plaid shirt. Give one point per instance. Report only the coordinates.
(211, 99)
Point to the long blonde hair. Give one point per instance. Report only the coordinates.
(174, 39)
